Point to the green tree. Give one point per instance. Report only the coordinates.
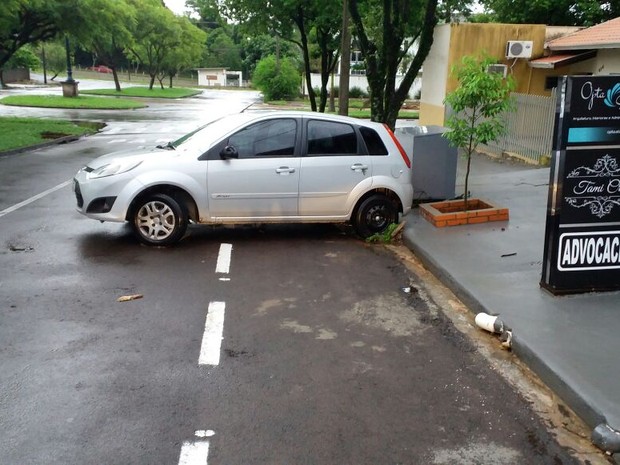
(157, 33)
(54, 57)
(110, 34)
(277, 79)
(221, 51)
(263, 45)
(386, 31)
(302, 22)
(449, 11)
(187, 53)
(478, 104)
(552, 12)
(24, 22)
(25, 57)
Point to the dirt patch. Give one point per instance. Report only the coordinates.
(53, 135)
(390, 312)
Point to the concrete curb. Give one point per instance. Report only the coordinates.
(60, 140)
(603, 436)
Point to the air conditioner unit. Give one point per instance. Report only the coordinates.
(519, 48)
(499, 69)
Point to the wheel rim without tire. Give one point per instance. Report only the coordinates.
(377, 217)
(156, 220)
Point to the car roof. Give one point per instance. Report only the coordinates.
(256, 115)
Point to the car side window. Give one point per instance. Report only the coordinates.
(331, 138)
(273, 138)
(373, 141)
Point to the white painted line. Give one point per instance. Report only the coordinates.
(194, 453)
(224, 279)
(33, 199)
(201, 433)
(223, 259)
(213, 335)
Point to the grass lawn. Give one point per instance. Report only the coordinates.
(156, 92)
(54, 101)
(23, 132)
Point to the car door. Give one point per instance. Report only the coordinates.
(262, 180)
(332, 166)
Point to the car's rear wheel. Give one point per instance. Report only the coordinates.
(159, 220)
(374, 214)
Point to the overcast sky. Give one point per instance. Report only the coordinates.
(178, 6)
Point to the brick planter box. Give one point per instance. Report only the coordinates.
(453, 213)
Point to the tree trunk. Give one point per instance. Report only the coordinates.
(299, 20)
(382, 65)
(345, 62)
(470, 149)
(117, 83)
(328, 63)
(152, 81)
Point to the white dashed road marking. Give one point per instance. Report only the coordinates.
(197, 452)
(223, 259)
(33, 198)
(212, 337)
(194, 453)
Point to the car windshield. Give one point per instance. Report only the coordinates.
(187, 138)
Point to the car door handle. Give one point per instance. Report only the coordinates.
(359, 167)
(285, 170)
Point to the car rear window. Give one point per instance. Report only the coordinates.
(373, 141)
(331, 138)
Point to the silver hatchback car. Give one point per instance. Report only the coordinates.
(256, 167)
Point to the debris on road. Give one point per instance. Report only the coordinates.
(490, 323)
(127, 298)
(494, 325)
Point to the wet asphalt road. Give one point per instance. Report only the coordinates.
(324, 358)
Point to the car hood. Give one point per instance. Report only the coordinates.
(138, 155)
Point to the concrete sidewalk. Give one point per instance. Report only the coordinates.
(571, 342)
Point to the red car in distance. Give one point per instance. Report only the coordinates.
(100, 69)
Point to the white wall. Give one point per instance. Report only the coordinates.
(216, 77)
(607, 61)
(436, 67)
(361, 81)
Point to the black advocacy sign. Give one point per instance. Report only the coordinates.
(582, 239)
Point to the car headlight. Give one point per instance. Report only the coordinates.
(116, 167)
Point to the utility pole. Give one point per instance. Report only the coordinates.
(44, 59)
(345, 62)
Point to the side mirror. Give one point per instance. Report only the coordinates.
(229, 152)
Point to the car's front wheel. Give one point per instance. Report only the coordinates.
(159, 220)
(374, 215)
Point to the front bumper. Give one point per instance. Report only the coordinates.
(104, 199)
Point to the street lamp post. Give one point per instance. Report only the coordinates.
(70, 86)
(69, 70)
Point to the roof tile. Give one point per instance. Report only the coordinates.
(604, 35)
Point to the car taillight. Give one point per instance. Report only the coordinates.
(400, 147)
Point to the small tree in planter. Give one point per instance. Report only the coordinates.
(477, 104)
